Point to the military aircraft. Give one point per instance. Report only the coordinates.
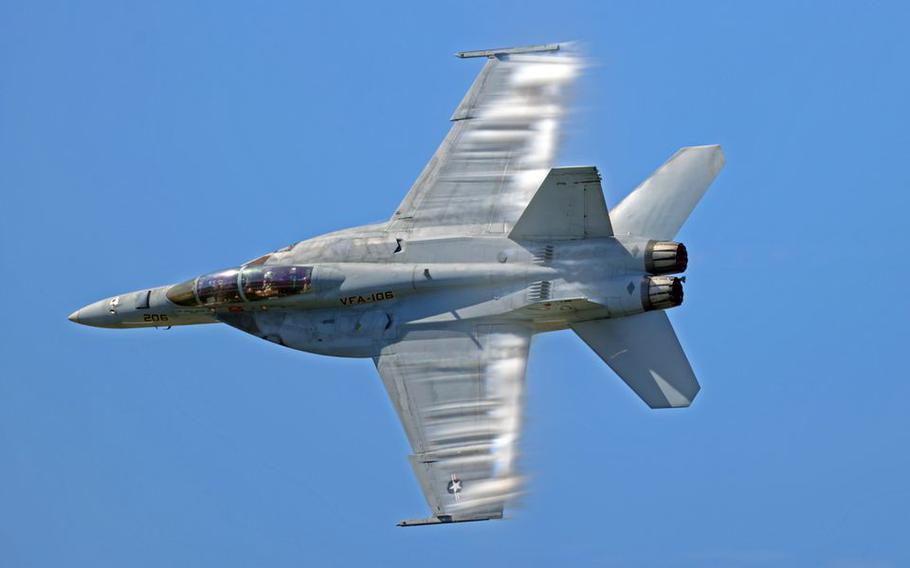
(491, 245)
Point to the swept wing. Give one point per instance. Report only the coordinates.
(503, 141)
(458, 391)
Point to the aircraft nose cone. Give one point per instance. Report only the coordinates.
(99, 314)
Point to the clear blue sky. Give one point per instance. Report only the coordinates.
(143, 143)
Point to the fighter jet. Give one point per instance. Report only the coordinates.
(491, 245)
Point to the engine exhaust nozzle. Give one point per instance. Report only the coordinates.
(661, 292)
(666, 257)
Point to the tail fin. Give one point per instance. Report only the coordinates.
(569, 204)
(644, 351)
(659, 206)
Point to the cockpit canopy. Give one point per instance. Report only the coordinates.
(248, 284)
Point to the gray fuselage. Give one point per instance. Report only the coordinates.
(359, 289)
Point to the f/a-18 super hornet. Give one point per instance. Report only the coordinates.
(491, 245)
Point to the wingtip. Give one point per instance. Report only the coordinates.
(509, 50)
(448, 519)
(719, 160)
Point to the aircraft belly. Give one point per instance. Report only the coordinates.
(341, 333)
(362, 330)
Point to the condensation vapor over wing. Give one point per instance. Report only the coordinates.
(503, 141)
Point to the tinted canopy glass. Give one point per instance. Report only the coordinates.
(262, 282)
(218, 288)
(257, 282)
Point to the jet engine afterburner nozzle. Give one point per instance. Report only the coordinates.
(666, 257)
(661, 292)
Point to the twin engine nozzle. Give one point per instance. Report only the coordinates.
(666, 257)
(661, 292)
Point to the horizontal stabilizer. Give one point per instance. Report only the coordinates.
(659, 207)
(644, 351)
(568, 205)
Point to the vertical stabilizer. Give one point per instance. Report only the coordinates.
(569, 204)
(659, 206)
